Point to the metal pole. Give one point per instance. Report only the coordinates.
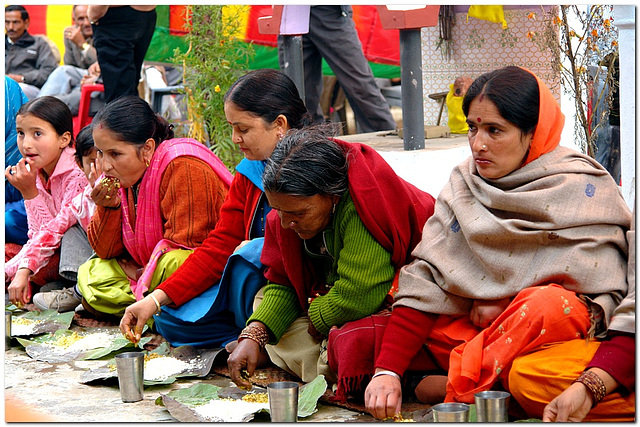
(293, 66)
(411, 74)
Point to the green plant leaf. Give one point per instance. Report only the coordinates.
(197, 394)
(48, 320)
(309, 395)
(473, 416)
(44, 338)
(164, 349)
(25, 342)
(118, 343)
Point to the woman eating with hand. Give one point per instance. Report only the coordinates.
(146, 221)
(342, 223)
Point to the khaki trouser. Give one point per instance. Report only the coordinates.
(297, 352)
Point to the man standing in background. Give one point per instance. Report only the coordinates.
(332, 35)
(121, 36)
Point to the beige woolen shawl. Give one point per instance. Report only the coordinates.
(624, 318)
(558, 219)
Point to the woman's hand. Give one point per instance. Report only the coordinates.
(484, 313)
(383, 396)
(135, 317)
(19, 290)
(106, 192)
(571, 405)
(244, 242)
(317, 335)
(244, 357)
(576, 401)
(23, 176)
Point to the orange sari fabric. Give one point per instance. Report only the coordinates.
(537, 378)
(537, 316)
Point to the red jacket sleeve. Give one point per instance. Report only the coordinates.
(204, 267)
(617, 356)
(406, 332)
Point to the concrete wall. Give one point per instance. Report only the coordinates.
(480, 46)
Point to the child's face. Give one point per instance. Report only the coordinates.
(39, 142)
(87, 160)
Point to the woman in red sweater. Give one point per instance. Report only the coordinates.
(202, 306)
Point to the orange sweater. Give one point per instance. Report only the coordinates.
(190, 198)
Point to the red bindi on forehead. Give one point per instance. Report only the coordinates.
(478, 119)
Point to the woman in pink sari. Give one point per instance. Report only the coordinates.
(159, 198)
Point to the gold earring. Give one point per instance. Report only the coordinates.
(333, 210)
(146, 162)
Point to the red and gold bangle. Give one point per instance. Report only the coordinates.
(255, 333)
(594, 384)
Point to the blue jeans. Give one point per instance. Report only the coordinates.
(64, 84)
(75, 250)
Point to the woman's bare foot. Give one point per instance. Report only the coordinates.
(432, 389)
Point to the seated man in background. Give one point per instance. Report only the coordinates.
(27, 59)
(80, 59)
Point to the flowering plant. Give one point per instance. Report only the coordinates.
(584, 44)
(216, 57)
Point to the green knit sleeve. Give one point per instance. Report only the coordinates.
(277, 310)
(363, 276)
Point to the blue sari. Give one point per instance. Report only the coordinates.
(218, 315)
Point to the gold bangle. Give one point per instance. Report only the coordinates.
(594, 384)
(157, 304)
(255, 333)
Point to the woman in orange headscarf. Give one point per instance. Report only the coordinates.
(526, 246)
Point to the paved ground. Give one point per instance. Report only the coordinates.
(37, 391)
(41, 391)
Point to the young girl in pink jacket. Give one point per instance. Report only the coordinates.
(49, 179)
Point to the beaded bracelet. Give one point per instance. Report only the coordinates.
(594, 384)
(157, 304)
(255, 333)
